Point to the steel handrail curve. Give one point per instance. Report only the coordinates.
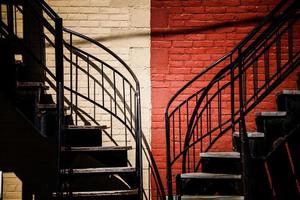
(217, 78)
(48, 10)
(146, 150)
(236, 48)
(108, 51)
(138, 135)
(232, 66)
(214, 80)
(57, 31)
(205, 91)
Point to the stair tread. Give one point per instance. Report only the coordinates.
(220, 155)
(289, 92)
(49, 106)
(211, 197)
(98, 170)
(251, 134)
(31, 84)
(210, 176)
(82, 149)
(87, 127)
(100, 193)
(272, 114)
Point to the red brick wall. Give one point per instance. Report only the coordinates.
(187, 36)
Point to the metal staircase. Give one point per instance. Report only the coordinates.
(202, 116)
(86, 104)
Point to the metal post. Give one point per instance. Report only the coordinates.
(139, 161)
(10, 18)
(232, 96)
(59, 86)
(168, 160)
(245, 154)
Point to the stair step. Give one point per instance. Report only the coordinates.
(202, 183)
(105, 170)
(250, 134)
(272, 114)
(210, 197)
(49, 106)
(74, 127)
(31, 85)
(221, 162)
(274, 125)
(83, 136)
(89, 149)
(94, 156)
(201, 175)
(257, 143)
(98, 193)
(289, 92)
(288, 100)
(234, 155)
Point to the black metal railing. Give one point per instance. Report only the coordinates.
(201, 112)
(10, 20)
(96, 84)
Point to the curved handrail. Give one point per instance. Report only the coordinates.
(132, 109)
(108, 51)
(236, 48)
(136, 132)
(146, 148)
(202, 99)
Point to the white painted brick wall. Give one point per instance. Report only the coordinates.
(123, 26)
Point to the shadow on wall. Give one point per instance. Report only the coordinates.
(179, 31)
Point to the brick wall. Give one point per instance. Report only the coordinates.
(188, 36)
(121, 25)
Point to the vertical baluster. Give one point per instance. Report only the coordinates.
(278, 53)
(232, 95)
(209, 123)
(179, 120)
(102, 82)
(267, 66)
(149, 182)
(76, 90)
(71, 71)
(95, 100)
(201, 134)
(174, 139)
(197, 125)
(135, 103)
(10, 18)
(124, 103)
(131, 107)
(290, 41)
(255, 78)
(194, 153)
(187, 113)
(88, 74)
(188, 160)
(245, 83)
(16, 20)
(115, 92)
(187, 125)
(219, 107)
(111, 118)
